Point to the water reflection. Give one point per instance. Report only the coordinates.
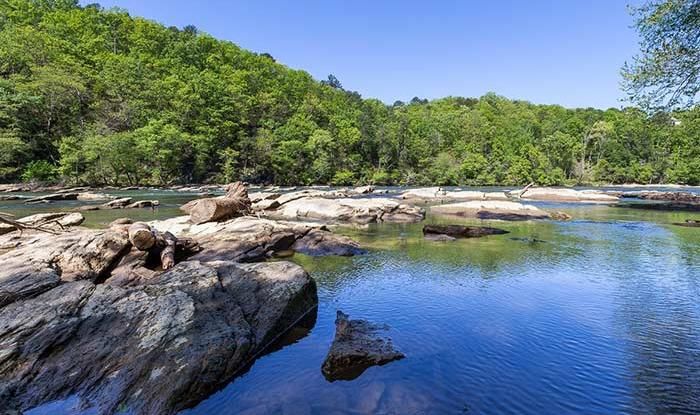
(601, 318)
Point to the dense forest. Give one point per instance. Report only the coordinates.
(95, 96)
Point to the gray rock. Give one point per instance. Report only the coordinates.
(318, 242)
(155, 348)
(357, 346)
(52, 197)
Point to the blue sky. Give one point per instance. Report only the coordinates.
(566, 52)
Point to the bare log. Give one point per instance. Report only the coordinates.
(165, 246)
(235, 202)
(142, 236)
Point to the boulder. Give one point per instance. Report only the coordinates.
(503, 210)
(155, 348)
(117, 203)
(358, 345)
(459, 231)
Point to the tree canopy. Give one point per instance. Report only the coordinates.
(97, 96)
(666, 74)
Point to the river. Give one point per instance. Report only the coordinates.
(597, 315)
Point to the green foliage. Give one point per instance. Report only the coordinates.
(40, 171)
(124, 101)
(667, 73)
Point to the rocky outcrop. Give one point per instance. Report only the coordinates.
(554, 194)
(83, 314)
(432, 194)
(358, 345)
(250, 238)
(360, 210)
(503, 210)
(154, 348)
(459, 231)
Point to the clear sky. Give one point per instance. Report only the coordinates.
(566, 52)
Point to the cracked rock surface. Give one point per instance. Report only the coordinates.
(80, 316)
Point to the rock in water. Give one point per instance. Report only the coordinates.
(459, 231)
(356, 347)
(319, 242)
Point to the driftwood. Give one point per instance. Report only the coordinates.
(21, 227)
(520, 194)
(165, 246)
(235, 203)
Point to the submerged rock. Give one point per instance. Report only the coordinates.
(319, 242)
(459, 231)
(503, 210)
(357, 346)
(689, 223)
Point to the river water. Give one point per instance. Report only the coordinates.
(600, 317)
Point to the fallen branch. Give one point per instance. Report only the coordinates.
(21, 227)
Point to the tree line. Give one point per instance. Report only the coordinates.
(95, 96)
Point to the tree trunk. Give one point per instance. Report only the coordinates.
(235, 202)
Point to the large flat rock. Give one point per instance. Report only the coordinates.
(429, 194)
(503, 210)
(567, 195)
(354, 210)
(154, 348)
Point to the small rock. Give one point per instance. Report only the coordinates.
(363, 190)
(357, 346)
(560, 216)
(116, 203)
